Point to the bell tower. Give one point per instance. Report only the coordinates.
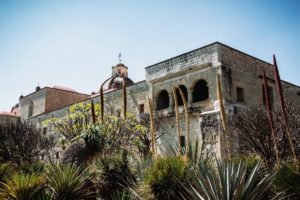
(120, 69)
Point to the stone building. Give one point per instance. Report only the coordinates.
(195, 73)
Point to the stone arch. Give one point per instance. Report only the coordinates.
(162, 100)
(185, 93)
(200, 91)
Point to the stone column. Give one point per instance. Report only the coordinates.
(190, 97)
(171, 101)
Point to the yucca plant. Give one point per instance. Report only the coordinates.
(69, 182)
(152, 131)
(222, 113)
(113, 174)
(36, 167)
(166, 177)
(5, 170)
(22, 187)
(284, 112)
(177, 120)
(270, 116)
(229, 181)
(187, 122)
(287, 180)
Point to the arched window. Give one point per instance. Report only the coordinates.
(185, 93)
(200, 91)
(162, 101)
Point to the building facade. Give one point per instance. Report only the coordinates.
(195, 73)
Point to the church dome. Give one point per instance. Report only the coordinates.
(119, 71)
(117, 82)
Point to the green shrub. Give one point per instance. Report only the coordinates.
(5, 171)
(229, 181)
(22, 187)
(287, 180)
(166, 177)
(36, 167)
(113, 174)
(69, 182)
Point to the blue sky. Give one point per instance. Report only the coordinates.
(74, 43)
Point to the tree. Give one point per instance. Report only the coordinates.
(22, 142)
(252, 129)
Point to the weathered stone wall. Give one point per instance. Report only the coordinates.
(35, 101)
(204, 55)
(136, 95)
(245, 71)
(57, 98)
(46, 100)
(8, 119)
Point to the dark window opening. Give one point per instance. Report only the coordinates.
(163, 101)
(270, 92)
(118, 113)
(141, 108)
(200, 91)
(182, 144)
(240, 94)
(178, 96)
(44, 130)
(235, 110)
(30, 109)
(57, 155)
(298, 93)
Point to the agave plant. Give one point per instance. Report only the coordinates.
(229, 182)
(69, 182)
(113, 174)
(165, 177)
(22, 187)
(287, 180)
(5, 171)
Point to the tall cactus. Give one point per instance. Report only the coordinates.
(270, 116)
(177, 119)
(152, 131)
(102, 98)
(281, 98)
(187, 122)
(93, 112)
(101, 103)
(124, 98)
(222, 113)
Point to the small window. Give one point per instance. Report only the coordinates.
(118, 113)
(141, 108)
(182, 144)
(44, 130)
(270, 92)
(30, 109)
(240, 94)
(57, 155)
(235, 110)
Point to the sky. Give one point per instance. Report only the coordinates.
(74, 43)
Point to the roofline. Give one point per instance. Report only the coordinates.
(211, 44)
(243, 53)
(90, 98)
(10, 115)
(222, 44)
(47, 87)
(291, 83)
